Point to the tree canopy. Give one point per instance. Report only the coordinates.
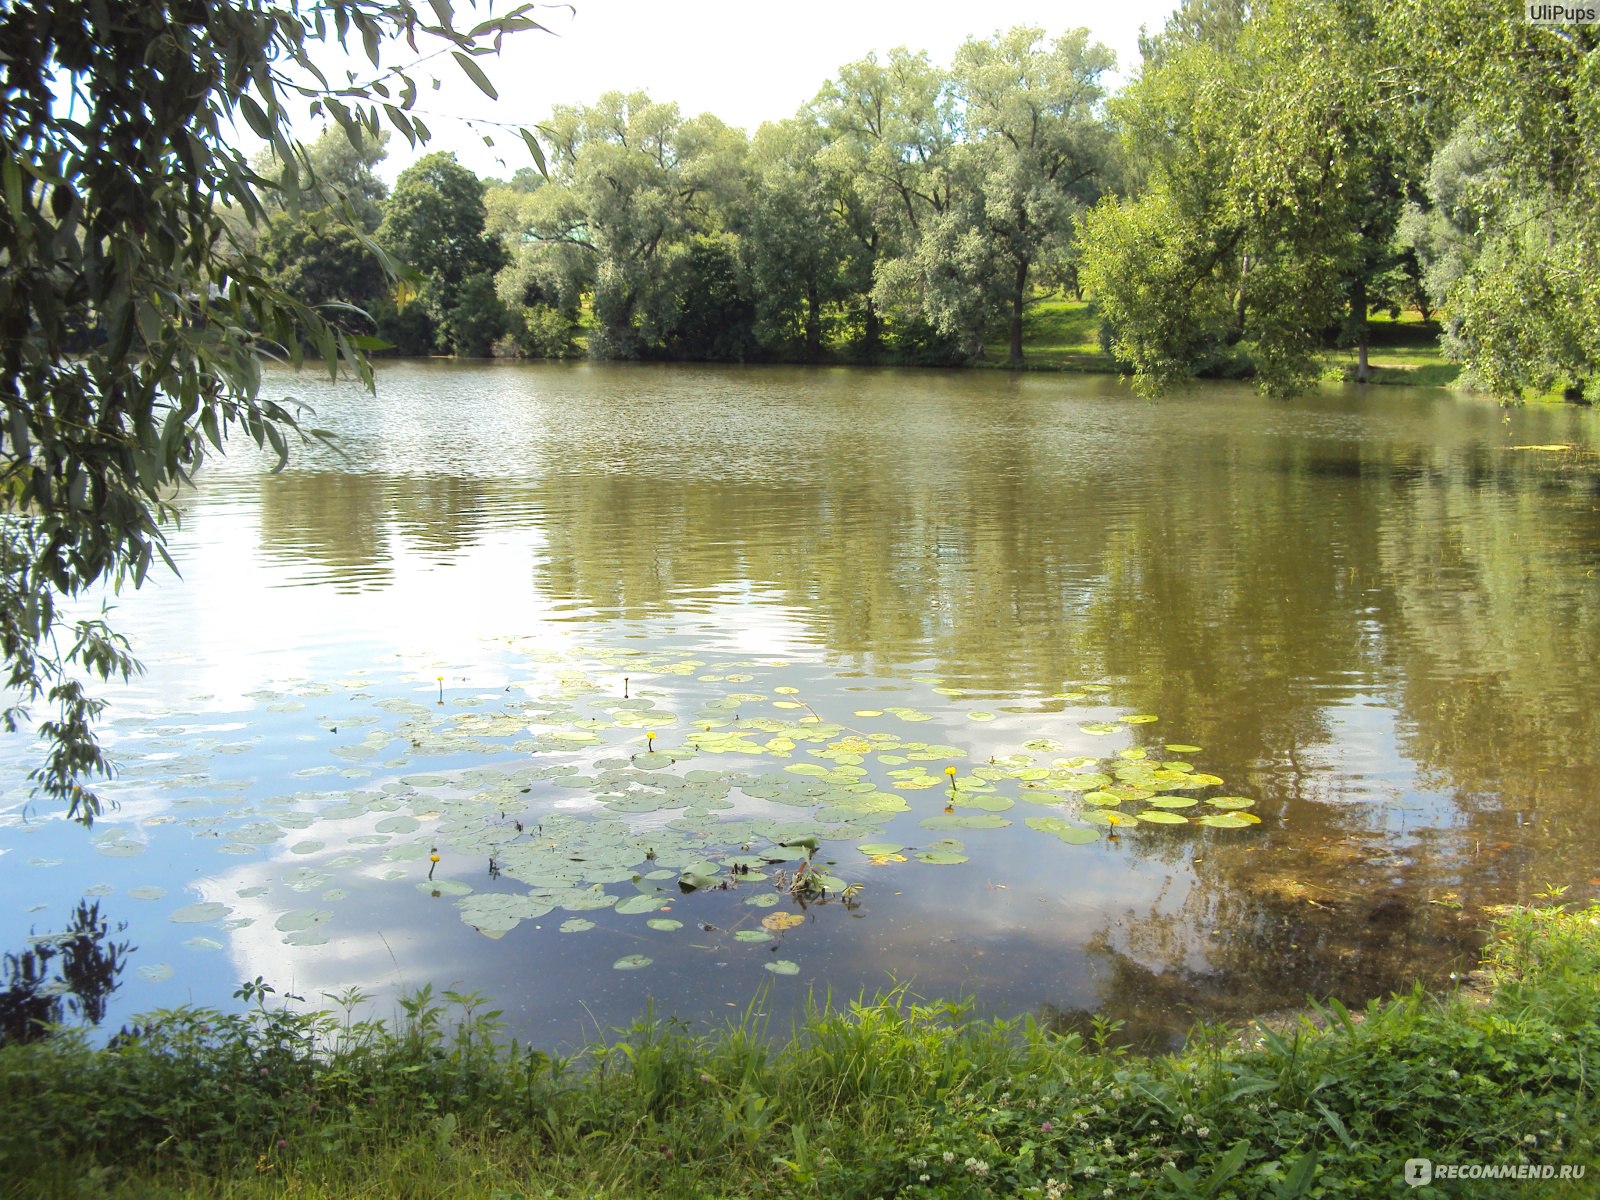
(1292, 161)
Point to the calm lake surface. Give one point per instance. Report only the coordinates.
(1367, 615)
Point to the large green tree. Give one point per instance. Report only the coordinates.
(890, 126)
(318, 246)
(1035, 150)
(1510, 228)
(796, 242)
(633, 182)
(434, 223)
(133, 321)
(1272, 180)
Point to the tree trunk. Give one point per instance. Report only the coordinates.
(813, 321)
(1240, 312)
(1019, 288)
(871, 333)
(1358, 322)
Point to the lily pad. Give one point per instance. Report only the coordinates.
(1229, 820)
(1230, 802)
(1073, 835)
(640, 904)
(941, 857)
(631, 962)
(200, 914)
(1160, 816)
(965, 821)
(1103, 799)
(302, 918)
(986, 803)
(436, 887)
(779, 921)
(782, 966)
(875, 849)
(752, 935)
(666, 924)
(576, 925)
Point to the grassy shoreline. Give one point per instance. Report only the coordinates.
(884, 1097)
(1064, 335)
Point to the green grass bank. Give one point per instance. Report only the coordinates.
(881, 1098)
(1061, 334)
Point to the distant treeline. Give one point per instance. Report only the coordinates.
(1271, 175)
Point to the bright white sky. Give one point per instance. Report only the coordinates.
(747, 61)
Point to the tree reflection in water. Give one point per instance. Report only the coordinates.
(68, 975)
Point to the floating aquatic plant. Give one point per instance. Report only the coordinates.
(542, 783)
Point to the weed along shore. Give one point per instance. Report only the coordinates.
(1486, 1092)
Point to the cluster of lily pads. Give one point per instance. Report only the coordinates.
(641, 778)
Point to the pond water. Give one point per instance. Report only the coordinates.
(1246, 701)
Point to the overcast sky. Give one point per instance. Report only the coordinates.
(747, 61)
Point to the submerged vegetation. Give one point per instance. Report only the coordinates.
(883, 1096)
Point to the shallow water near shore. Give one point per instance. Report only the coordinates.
(632, 648)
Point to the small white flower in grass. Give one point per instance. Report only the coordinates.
(949, 1156)
(1204, 1131)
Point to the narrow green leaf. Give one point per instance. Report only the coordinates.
(255, 116)
(1298, 1181)
(475, 73)
(1337, 1125)
(536, 151)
